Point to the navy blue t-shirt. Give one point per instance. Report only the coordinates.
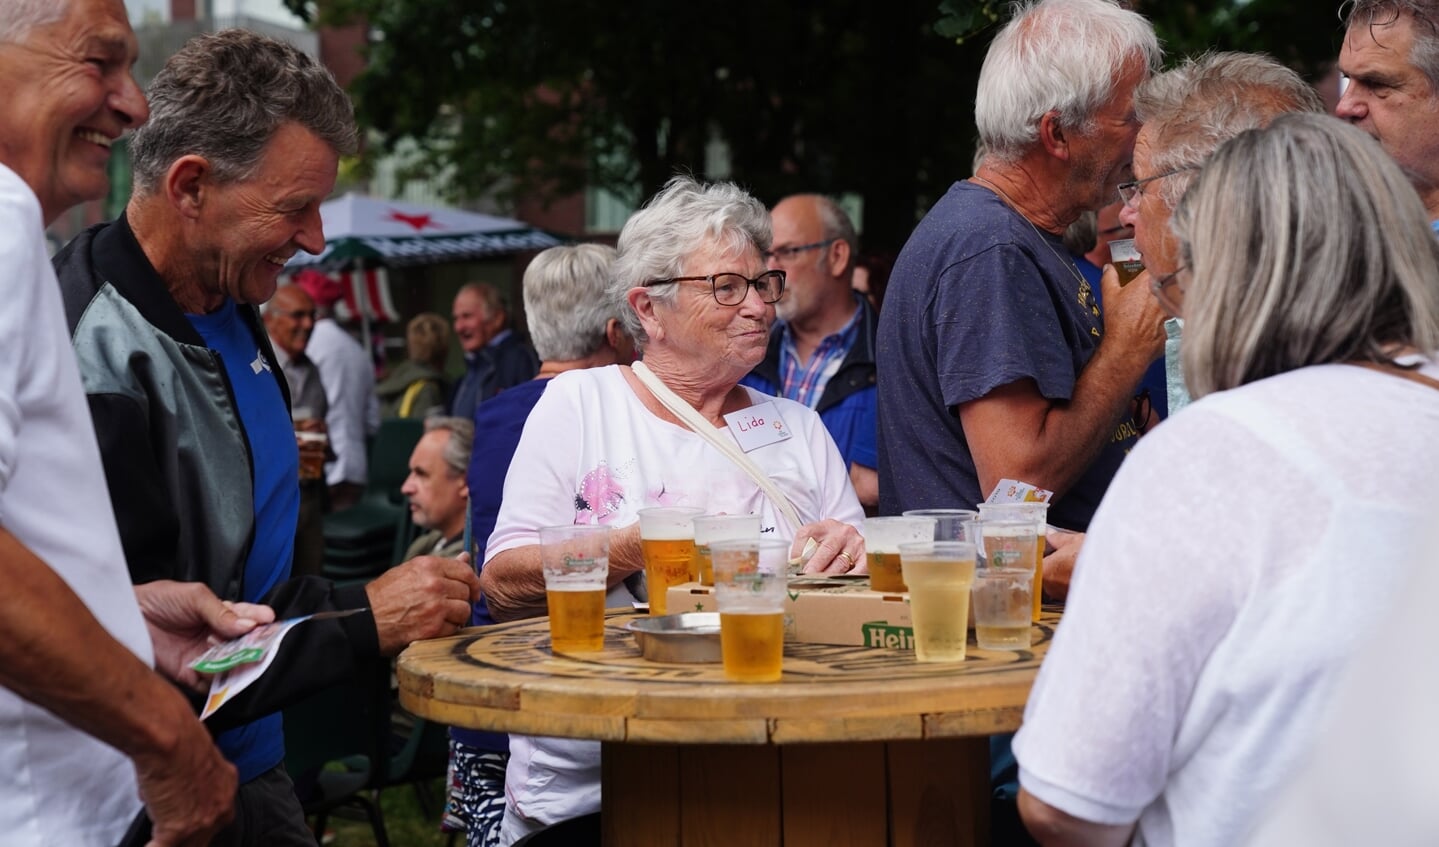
(979, 299)
(259, 746)
(499, 422)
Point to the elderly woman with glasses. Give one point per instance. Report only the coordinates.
(1247, 545)
(603, 443)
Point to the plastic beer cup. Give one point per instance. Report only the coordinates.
(712, 528)
(1126, 259)
(1001, 598)
(939, 575)
(882, 537)
(949, 524)
(1037, 512)
(667, 539)
(576, 562)
(749, 592)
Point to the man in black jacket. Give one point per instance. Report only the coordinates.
(496, 357)
(189, 405)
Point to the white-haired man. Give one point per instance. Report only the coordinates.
(994, 361)
(87, 731)
(1391, 58)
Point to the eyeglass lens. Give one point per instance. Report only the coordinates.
(730, 289)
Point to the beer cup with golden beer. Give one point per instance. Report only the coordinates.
(576, 562)
(1126, 259)
(882, 537)
(667, 539)
(749, 586)
(712, 528)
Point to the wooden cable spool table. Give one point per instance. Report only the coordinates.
(855, 746)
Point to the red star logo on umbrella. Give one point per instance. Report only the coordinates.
(418, 222)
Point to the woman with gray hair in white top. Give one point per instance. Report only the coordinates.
(1248, 544)
(674, 430)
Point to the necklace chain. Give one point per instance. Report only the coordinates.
(1074, 271)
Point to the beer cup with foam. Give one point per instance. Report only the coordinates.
(667, 539)
(576, 562)
(749, 586)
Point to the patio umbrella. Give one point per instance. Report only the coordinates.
(369, 232)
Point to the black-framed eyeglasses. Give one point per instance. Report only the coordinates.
(1169, 292)
(784, 254)
(299, 314)
(1129, 191)
(731, 289)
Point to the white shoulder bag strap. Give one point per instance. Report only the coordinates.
(696, 422)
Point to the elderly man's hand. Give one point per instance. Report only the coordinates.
(186, 618)
(426, 597)
(1132, 314)
(1059, 565)
(187, 786)
(839, 548)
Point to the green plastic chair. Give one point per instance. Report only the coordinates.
(348, 724)
(348, 743)
(361, 541)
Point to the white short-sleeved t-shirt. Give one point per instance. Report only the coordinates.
(1243, 549)
(57, 784)
(592, 453)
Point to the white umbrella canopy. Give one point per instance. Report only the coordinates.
(362, 230)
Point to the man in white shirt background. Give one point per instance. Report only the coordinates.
(349, 379)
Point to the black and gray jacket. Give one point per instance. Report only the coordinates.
(178, 463)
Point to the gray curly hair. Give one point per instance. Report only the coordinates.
(683, 217)
(225, 95)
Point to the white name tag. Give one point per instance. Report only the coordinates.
(758, 426)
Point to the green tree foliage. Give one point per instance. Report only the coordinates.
(543, 97)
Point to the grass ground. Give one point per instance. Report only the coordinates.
(406, 825)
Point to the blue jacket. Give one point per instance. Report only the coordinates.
(847, 404)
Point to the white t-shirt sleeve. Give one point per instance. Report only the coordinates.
(1150, 600)
(539, 488)
(21, 278)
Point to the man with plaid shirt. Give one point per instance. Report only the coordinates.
(821, 351)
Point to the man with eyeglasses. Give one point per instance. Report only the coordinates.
(994, 360)
(1185, 113)
(1390, 58)
(821, 349)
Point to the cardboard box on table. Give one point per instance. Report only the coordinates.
(821, 610)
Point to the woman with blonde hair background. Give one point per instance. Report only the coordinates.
(1248, 544)
(416, 387)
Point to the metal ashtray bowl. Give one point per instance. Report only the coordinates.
(690, 638)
